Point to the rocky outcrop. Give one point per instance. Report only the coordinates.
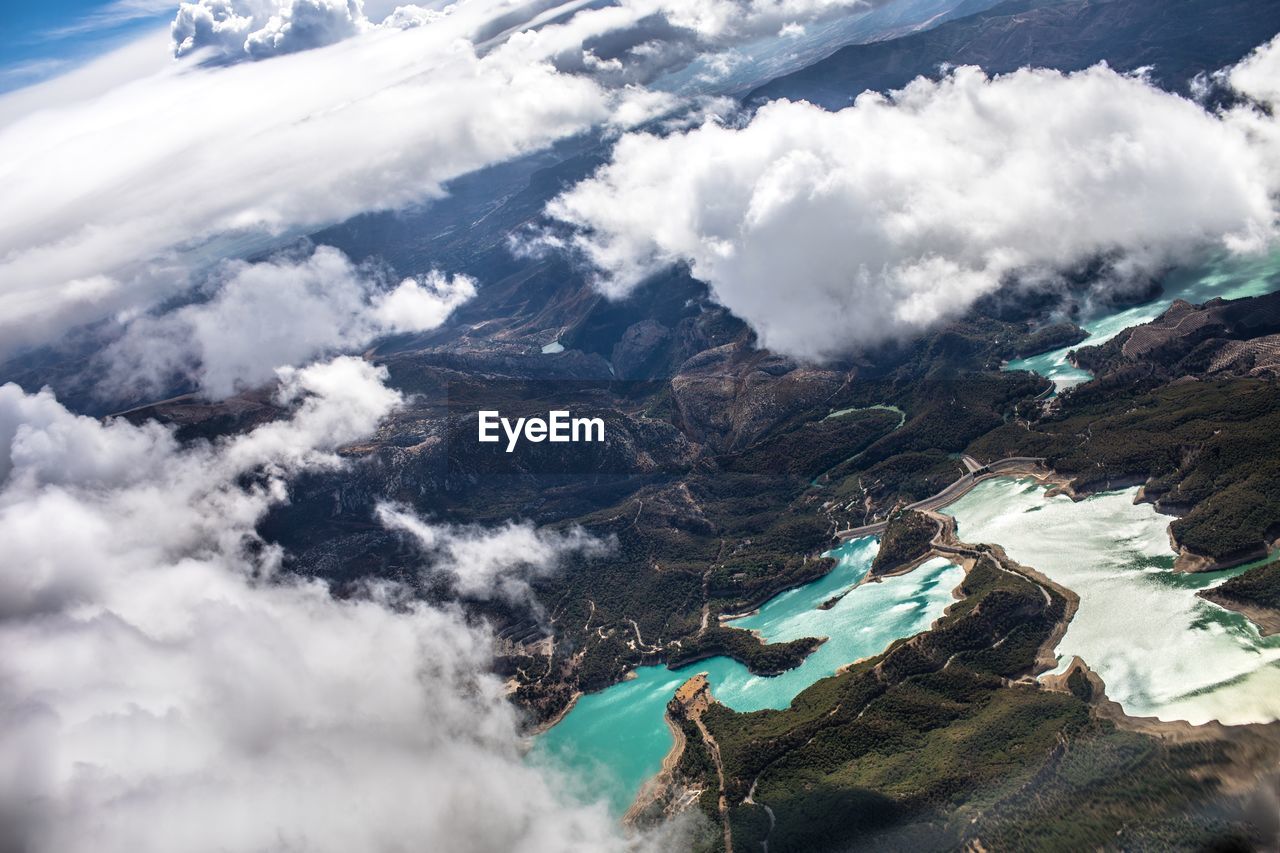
(728, 397)
(641, 350)
(1221, 338)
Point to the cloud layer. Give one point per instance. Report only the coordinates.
(124, 182)
(113, 197)
(234, 30)
(827, 231)
(163, 688)
(279, 312)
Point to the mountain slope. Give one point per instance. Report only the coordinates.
(1177, 39)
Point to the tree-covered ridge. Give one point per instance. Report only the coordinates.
(1220, 338)
(905, 539)
(932, 746)
(1255, 593)
(1260, 585)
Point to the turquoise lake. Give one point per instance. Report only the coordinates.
(614, 741)
(1226, 277)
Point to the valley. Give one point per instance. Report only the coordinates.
(977, 554)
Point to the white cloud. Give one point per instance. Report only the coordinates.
(826, 231)
(1258, 75)
(422, 303)
(32, 69)
(145, 55)
(255, 29)
(111, 15)
(163, 688)
(404, 17)
(635, 41)
(279, 312)
(724, 20)
(35, 428)
(261, 28)
(97, 490)
(490, 562)
(1258, 78)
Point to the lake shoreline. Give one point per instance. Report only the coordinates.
(549, 723)
(623, 729)
(660, 785)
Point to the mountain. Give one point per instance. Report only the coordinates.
(1176, 40)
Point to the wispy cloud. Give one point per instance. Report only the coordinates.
(32, 69)
(490, 562)
(112, 16)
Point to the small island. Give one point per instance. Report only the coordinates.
(747, 648)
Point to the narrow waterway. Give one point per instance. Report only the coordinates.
(1161, 649)
(615, 740)
(1227, 277)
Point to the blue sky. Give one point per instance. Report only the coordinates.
(46, 37)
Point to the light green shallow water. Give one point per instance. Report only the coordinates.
(1161, 650)
(615, 740)
(1226, 277)
(879, 407)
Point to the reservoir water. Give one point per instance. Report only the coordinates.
(1227, 277)
(1161, 650)
(615, 740)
